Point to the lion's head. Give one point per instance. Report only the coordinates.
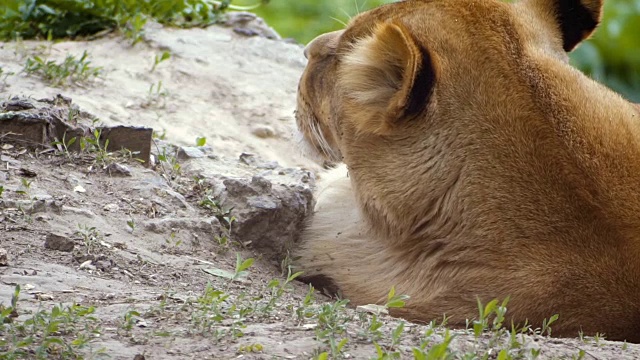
(424, 59)
(414, 92)
(416, 61)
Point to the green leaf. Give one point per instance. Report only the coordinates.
(379, 350)
(294, 276)
(245, 264)
(396, 304)
(132, 313)
(15, 296)
(54, 340)
(219, 273)
(25, 342)
(503, 355)
(341, 344)
(490, 307)
(201, 141)
(392, 293)
(395, 334)
(394, 301)
(418, 354)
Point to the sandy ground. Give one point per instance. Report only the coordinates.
(216, 84)
(145, 248)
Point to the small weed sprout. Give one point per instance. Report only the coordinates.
(546, 326)
(214, 307)
(223, 215)
(72, 115)
(134, 28)
(128, 321)
(396, 334)
(172, 242)
(241, 267)
(156, 96)
(70, 72)
(485, 312)
(25, 187)
(201, 141)
(395, 301)
(304, 311)
(439, 351)
(208, 312)
(159, 135)
(251, 348)
(371, 328)
(90, 237)
(64, 332)
(391, 352)
(287, 262)
(94, 145)
(131, 223)
(320, 355)
(127, 154)
(332, 323)
(158, 59)
(3, 77)
(172, 161)
(597, 338)
(277, 289)
(64, 144)
(7, 314)
(580, 356)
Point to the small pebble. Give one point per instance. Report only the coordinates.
(263, 131)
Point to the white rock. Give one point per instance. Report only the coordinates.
(263, 131)
(111, 207)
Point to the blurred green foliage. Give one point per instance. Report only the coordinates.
(70, 18)
(612, 56)
(305, 19)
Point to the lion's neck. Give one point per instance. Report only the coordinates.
(602, 132)
(418, 200)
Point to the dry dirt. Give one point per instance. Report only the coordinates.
(150, 251)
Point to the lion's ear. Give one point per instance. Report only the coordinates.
(577, 19)
(387, 77)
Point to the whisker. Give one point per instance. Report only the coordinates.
(339, 21)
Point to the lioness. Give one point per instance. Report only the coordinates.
(480, 165)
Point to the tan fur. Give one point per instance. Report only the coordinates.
(480, 165)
